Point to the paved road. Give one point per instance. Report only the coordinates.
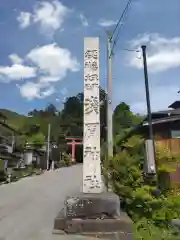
(29, 206)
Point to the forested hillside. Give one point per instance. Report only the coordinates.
(69, 120)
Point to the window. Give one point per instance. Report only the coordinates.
(175, 133)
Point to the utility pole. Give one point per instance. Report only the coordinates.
(150, 146)
(147, 93)
(12, 142)
(109, 97)
(48, 144)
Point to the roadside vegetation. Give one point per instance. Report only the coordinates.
(151, 204)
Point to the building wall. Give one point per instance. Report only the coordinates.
(162, 133)
(163, 130)
(28, 157)
(175, 128)
(175, 125)
(43, 161)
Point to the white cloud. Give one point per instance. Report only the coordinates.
(106, 23)
(15, 59)
(47, 92)
(49, 16)
(24, 19)
(49, 64)
(31, 90)
(48, 79)
(17, 72)
(53, 61)
(162, 53)
(84, 20)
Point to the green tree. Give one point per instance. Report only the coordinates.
(123, 118)
(36, 140)
(33, 113)
(51, 110)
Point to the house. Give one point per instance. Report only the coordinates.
(8, 157)
(166, 129)
(166, 124)
(3, 118)
(7, 134)
(38, 156)
(35, 157)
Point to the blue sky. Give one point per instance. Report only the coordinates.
(41, 51)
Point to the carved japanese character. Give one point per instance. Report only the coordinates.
(91, 86)
(93, 152)
(91, 128)
(88, 178)
(91, 78)
(91, 104)
(88, 150)
(96, 156)
(91, 64)
(91, 54)
(94, 66)
(93, 181)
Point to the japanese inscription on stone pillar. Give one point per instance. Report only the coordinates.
(91, 162)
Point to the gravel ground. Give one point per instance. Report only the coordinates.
(29, 206)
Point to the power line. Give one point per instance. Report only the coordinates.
(130, 50)
(111, 43)
(121, 19)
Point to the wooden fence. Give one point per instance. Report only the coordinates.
(173, 144)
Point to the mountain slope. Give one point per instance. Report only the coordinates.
(14, 119)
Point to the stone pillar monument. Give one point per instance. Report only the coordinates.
(93, 212)
(92, 182)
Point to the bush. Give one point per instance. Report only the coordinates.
(127, 181)
(62, 163)
(36, 140)
(145, 229)
(125, 174)
(67, 159)
(166, 164)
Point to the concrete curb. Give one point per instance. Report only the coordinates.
(24, 176)
(98, 235)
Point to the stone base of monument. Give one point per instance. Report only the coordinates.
(96, 215)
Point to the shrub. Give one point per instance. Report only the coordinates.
(145, 229)
(127, 181)
(36, 140)
(166, 164)
(125, 174)
(165, 158)
(62, 163)
(67, 159)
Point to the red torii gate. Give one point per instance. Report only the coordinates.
(74, 141)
